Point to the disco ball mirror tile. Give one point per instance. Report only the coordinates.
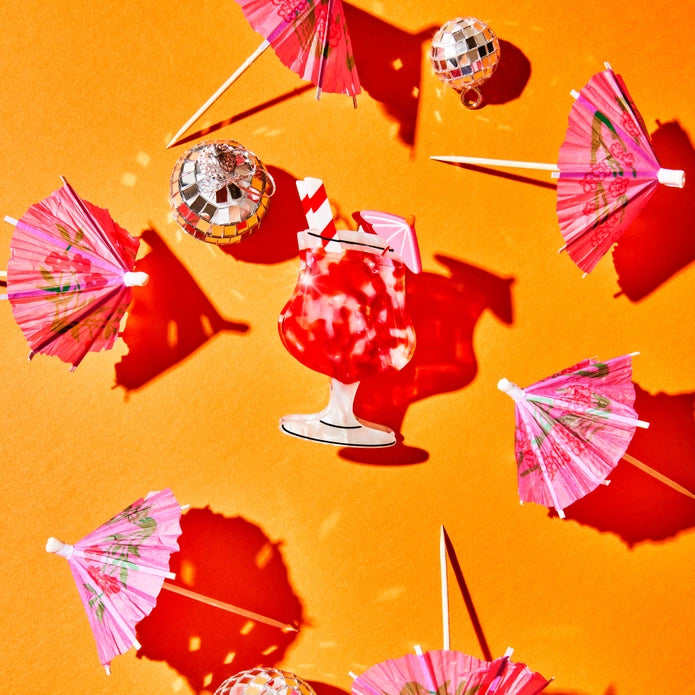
(220, 191)
(464, 53)
(265, 681)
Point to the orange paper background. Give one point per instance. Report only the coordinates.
(347, 541)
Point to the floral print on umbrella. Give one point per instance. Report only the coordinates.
(572, 428)
(120, 567)
(69, 276)
(608, 169)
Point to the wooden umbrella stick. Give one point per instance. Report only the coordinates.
(487, 162)
(231, 608)
(658, 476)
(446, 639)
(221, 90)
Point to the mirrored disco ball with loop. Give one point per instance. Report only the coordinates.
(220, 191)
(265, 681)
(464, 54)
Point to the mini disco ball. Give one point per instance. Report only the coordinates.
(265, 681)
(219, 191)
(464, 54)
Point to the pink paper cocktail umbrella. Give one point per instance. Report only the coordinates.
(606, 169)
(69, 276)
(397, 231)
(120, 568)
(573, 428)
(309, 36)
(448, 672)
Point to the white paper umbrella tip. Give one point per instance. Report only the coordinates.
(511, 389)
(132, 279)
(675, 178)
(53, 545)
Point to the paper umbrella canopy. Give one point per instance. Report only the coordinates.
(69, 276)
(120, 567)
(448, 672)
(572, 429)
(398, 231)
(606, 169)
(311, 38)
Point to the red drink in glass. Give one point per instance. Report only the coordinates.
(346, 319)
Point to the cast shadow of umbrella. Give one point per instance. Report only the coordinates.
(511, 77)
(467, 598)
(275, 240)
(244, 114)
(445, 310)
(169, 319)
(483, 644)
(635, 506)
(661, 241)
(232, 560)
(501, 174)
(389, 63)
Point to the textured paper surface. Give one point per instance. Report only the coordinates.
(348, 542)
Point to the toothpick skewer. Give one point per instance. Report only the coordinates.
(445, 590)
(487, 162)
(220, 91)
(229, 607)
(658, 476)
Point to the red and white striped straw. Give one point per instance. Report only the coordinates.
(317, 209)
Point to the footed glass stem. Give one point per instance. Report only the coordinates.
(336, 424)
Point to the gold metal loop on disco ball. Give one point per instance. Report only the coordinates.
(220, 191)
(471, 98)
(464, 54)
